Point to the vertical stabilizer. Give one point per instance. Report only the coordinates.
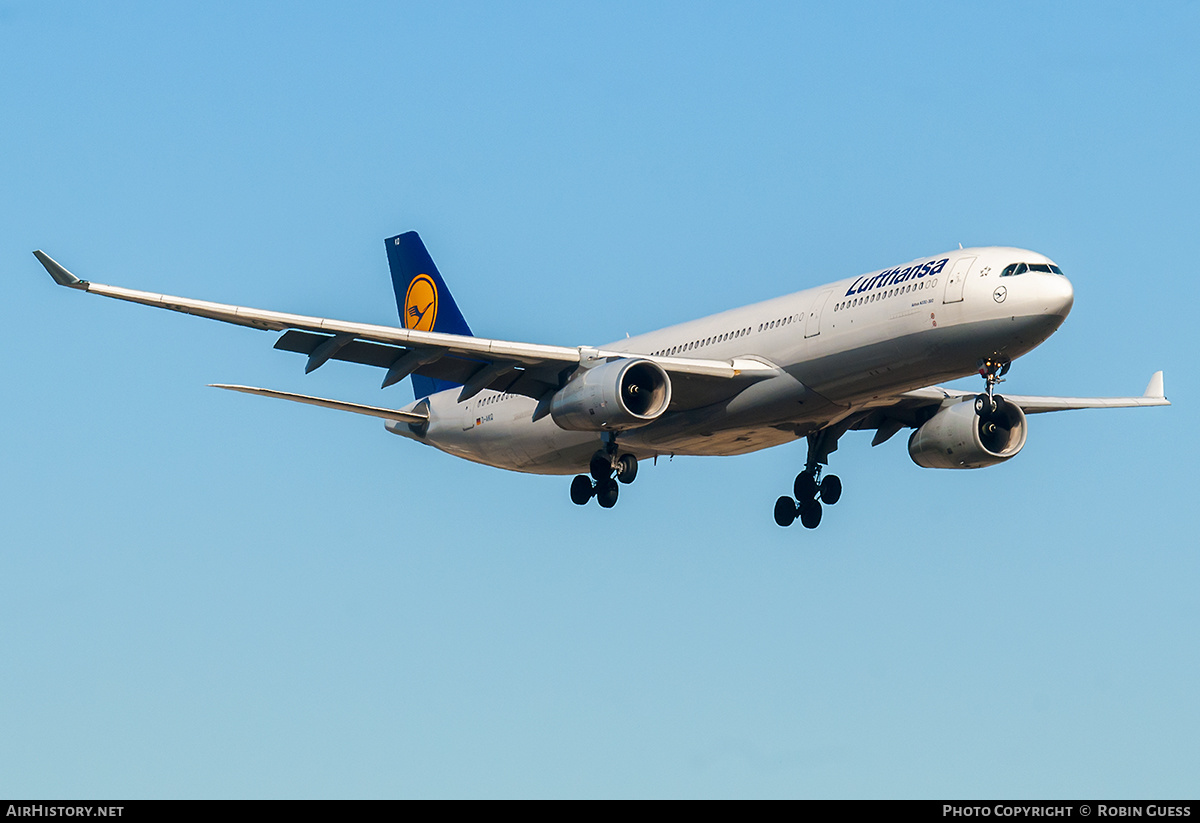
(422, 298)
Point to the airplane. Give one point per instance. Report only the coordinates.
(863, 353)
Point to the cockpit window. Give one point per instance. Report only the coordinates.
(1013, 269)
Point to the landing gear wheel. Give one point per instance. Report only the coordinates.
(985, 405)
(601, 466)
(805, 487)
(627, 467)
(581, 489)
(992, 369)
(606, 493)
(831, 489)
(810, 515)
(785, 511)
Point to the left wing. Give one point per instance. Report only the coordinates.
(1033, 404)
(476, 362)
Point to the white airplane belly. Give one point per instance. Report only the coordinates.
(502, 433)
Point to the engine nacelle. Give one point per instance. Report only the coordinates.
(957, 438)
(623, 394)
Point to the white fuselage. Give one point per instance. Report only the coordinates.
(838, 347)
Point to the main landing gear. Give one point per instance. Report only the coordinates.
(607, 469)
(810, 490)
(992, 369)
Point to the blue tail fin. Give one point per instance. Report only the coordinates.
(422, 298)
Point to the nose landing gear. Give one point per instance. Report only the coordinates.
(992, 369)
(607, 468)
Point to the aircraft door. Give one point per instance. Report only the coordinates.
(812, 323)
(957, 279)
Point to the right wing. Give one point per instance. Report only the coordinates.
(477, 363)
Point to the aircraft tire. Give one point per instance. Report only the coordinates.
(785, 511)
(805, 487)
(581, 489)
(601, 466)
(985, 406)
(606, 493)
(627, 468)
(831, 489)
(810, 515)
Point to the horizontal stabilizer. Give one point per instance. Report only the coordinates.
(340, 405)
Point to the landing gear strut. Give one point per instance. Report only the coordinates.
(992, 369)
(607, 468)
(810, 490)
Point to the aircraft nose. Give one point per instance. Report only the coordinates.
(1049, 294)
(1060, 295)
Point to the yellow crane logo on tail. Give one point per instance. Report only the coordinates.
(421, 303)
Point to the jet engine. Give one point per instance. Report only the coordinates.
(958, 438)
(622, 394)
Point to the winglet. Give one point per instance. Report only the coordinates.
(1155, 387)
(61, 276)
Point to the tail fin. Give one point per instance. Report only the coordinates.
(422, 298)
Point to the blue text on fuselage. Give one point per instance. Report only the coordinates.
(896, 275)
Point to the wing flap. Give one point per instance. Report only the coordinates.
(530, 382)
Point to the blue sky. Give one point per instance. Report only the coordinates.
(209, 594)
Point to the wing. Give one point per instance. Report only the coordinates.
(476, 362)
(888, 415)
(1032, 404)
